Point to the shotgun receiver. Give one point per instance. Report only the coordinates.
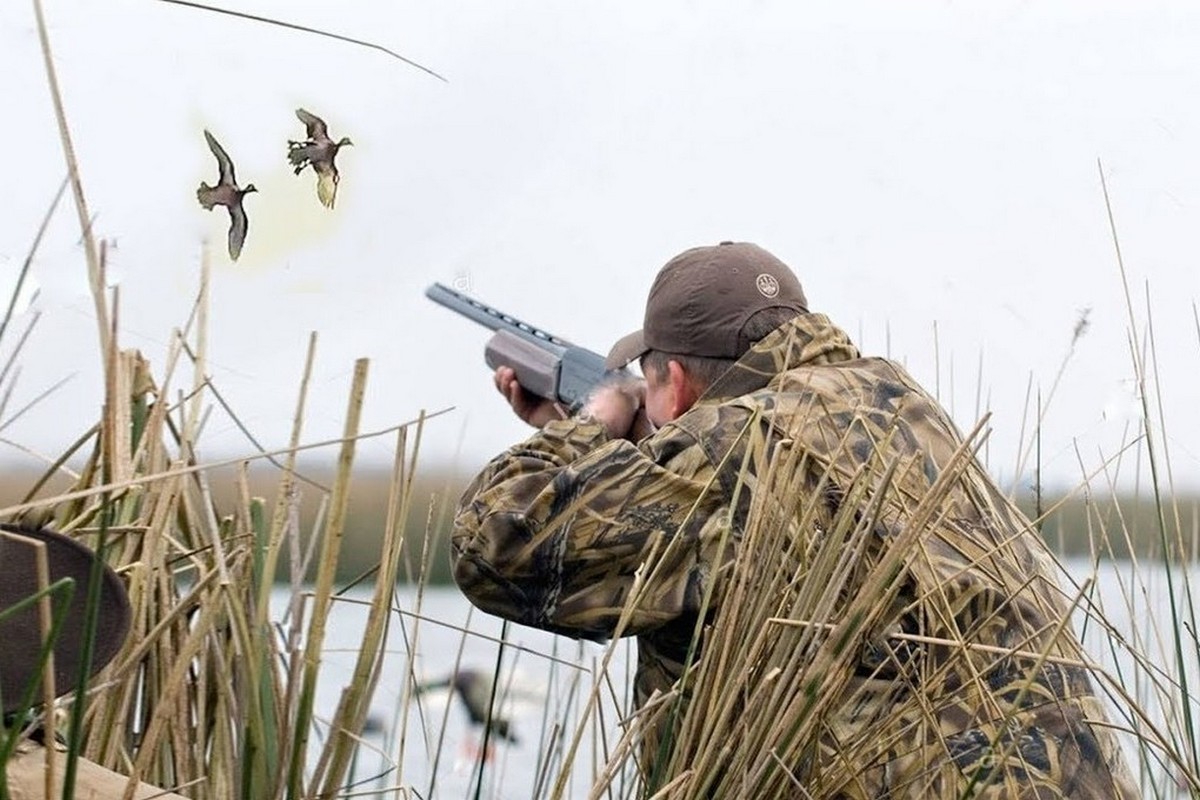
(545, 364)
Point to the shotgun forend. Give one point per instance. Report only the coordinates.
(545, 364)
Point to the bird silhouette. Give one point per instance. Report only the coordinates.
(319, 152)
(477, 692)
(226, 193)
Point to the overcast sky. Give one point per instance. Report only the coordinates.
(929, 169)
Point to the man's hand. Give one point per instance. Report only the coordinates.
(537, 411)
(618, 406)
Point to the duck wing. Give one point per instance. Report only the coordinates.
(314, 124)
(224, 164)
(238, 225)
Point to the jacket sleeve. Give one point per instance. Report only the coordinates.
(551, 533)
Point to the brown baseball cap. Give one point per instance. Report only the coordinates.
(702, 298)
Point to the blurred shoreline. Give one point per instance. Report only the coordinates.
(1072, 526)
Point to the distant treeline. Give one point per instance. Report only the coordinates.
(1080, 525)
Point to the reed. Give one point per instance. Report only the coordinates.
(212, 692)
(753, 717)
(758, 714)
(215, 693)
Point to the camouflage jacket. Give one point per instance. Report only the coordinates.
(553, 532)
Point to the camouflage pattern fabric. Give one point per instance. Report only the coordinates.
(553, 532)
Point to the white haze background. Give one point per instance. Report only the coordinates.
(929, 169)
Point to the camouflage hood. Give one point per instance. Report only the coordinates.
(809, 339)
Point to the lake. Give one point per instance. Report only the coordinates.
(432, 748)
(545, 678)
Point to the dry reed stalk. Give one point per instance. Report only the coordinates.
(46, 623)
(779, 656)
(1181, 650)
(89, 239)
(181, 687)
(212, 694)
(352, 706)
(413, 642)
(284, 504)
(305, 29)
(197, 699)
(824, 661)
(327, 565)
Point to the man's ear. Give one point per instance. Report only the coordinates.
(683, 396)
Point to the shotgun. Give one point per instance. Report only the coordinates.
(546, 365)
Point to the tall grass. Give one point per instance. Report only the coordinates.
(212, 691)
(754, 716)
(215, 693)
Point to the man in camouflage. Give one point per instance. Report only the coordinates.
(553, 532)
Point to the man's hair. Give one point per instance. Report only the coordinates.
(703, 371)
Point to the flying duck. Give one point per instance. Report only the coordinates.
(318, 151)
(226, 193)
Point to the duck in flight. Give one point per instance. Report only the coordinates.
(226, 193)
(319, 152)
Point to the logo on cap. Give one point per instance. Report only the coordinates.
(767, 285)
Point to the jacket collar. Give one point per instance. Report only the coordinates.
(805, 340)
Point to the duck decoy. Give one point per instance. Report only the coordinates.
(319, 152)
(477, 692)
(21, 665)
(226, 193)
